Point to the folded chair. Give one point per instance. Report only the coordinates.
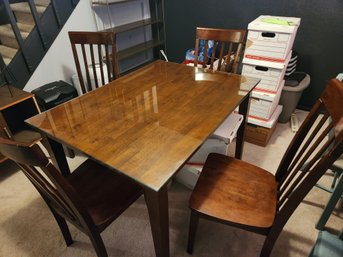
(90, 198)
(242, 195)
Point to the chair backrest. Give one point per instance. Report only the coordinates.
(94, 59)
(52, 186)
(230, 42)
(310, 153)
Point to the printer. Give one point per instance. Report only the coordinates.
(53, 94)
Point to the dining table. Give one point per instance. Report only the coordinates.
(146, 125)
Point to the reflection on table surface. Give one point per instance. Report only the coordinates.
(147, 123)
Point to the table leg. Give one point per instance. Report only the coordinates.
(330, 206)
(57, 155)
(157, 203)
(243, 109)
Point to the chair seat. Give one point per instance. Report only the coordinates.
(27, 136)
(111, 200)
(235, 191)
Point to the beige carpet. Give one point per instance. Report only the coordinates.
(27, 229)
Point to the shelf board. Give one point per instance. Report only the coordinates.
(135, 67)
(109, 2)
(134, 25)
(125, 53)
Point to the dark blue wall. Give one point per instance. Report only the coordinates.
(319, 40)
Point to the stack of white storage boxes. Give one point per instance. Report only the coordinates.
(268, 51)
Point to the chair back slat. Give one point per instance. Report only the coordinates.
(221, 57)
(298, 174)
(205, 54)
(94, 66)
(47, 190)
(107, 61)
(53, 187)
(101, 67)
(106, 53)
(85, 67)
(237, 57)
(304, 153)
(230, 42)
(213, 55)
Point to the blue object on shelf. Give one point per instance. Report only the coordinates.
(190, 53)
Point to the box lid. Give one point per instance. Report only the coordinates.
(269, 123)
(258, 61)
(275, 24)
(265, 95)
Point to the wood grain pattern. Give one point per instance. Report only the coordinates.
(235, 191)
(148, 123)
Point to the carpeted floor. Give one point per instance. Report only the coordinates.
(27, 229)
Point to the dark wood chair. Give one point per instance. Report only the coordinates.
(101, 50)
(230, 42)
(90, 198)
(240, 194)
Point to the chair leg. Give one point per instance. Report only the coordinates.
(269, 242)
(63, 227)
(267, 248)
(330, 206)
(193, 225)
(335, 177)
(98, 244)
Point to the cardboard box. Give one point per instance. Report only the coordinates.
(270, 73)
(263, 104)
(270, 38)
(260, 135)
(227, 131)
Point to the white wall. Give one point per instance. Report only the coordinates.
(58, 62)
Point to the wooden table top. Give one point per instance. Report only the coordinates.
(148, 123)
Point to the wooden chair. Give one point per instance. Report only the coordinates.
(230, 42)
(90, 198)
(93, 61)
(240, 194)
